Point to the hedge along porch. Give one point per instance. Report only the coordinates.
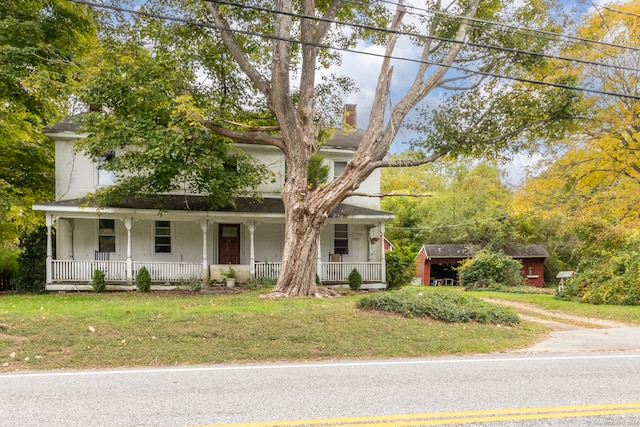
(186, 241)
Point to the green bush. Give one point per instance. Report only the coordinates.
(490, 270)
(450, 307)
(355, 280)
(143, 280)
(401, 267)
(606, 278)
(98, 282)
(31, 273)
(261, 282)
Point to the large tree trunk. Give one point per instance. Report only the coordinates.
(304, 219)
(298, 269)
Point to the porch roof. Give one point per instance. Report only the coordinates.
(191, 205)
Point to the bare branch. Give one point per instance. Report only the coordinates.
(390, 195)
(254, 128)
(407, 162)
(324, 24)
(256, 138)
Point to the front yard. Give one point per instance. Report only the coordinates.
(87, 330)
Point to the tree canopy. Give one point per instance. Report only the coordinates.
(595, 174)
(41, 42)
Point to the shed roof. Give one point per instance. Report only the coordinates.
(467, 251)
(449, 251)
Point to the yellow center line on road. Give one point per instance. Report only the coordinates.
(460, 417)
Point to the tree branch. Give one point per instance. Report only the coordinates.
(390, 195)
(407, 162)
(254, 128)
(256, 138)
(236, 51)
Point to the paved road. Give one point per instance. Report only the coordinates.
(500, 385)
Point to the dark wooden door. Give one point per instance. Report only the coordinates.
(229, 244)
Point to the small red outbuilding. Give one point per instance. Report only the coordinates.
(436, 264)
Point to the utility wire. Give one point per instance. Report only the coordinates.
(421, 36)
(515, 27)
(621, 12)
(324, 46)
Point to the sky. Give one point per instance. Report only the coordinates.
(363, 70)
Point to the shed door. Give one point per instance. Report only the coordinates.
(229, 244)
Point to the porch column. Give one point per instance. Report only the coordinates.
(204, 226)
(383, 263)
(128, 223)
(71, 225)
(252, 255)
(49, 260)
(319, 260)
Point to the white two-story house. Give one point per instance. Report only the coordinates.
(187, 241)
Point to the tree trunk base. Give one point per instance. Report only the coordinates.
(321, 292)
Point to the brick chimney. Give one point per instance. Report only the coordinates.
(350, 115)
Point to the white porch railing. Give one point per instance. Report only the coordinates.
(82, 271)
(269, 270)
(116, 271)
(170, 271)
(339, 271)
(330, 271)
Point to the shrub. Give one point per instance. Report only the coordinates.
(31, 273)
(401, 267)
(606, 278)
(355, 280)
(98, 282)
(143, 280)
(439, 305)
(261, 282)
(489, 270)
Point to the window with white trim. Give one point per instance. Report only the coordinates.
(162, 239)
(338, 168)
(106, 235)
(341, 239)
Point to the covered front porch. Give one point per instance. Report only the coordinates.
(200, 245)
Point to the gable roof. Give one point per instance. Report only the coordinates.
(449, 251)
(467, 251)
(340, 140)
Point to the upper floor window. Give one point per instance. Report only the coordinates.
(106, 235)
(338, 168)
(341, 239)
(106, 177)
(162, 237)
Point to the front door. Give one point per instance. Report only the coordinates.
(229, 244)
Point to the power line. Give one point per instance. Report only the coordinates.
(621, 12)
(434, 38)
(324, 46)
(515, 27)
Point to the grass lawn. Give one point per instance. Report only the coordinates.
(87, 330)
